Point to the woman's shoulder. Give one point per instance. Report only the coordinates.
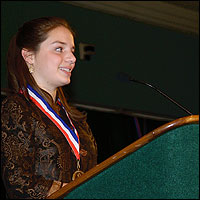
(14, 97)
(14, 100)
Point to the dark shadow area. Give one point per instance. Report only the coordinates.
(114, 132)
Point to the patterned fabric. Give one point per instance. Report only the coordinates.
(34, 152)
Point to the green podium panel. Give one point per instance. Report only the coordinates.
(164, 164)
(166, 168)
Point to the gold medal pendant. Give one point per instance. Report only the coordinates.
(78, 172)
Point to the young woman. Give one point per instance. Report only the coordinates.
(46, 143)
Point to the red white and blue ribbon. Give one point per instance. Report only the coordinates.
(71, 135)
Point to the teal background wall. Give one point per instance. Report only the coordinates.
(165, 58)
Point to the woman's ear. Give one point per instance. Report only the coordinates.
(27, 55)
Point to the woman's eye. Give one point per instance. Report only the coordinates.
(59, 49)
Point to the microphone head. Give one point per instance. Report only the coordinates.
(122, 76)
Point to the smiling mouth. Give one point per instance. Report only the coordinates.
(65, 69)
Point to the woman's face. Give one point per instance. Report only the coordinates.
(55, 60)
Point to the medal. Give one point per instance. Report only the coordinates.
(78, 172)
(71, 135)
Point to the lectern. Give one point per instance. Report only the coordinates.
(163, 164)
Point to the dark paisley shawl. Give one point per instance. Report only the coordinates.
(34, 152)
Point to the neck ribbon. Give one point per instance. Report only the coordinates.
(71, 135)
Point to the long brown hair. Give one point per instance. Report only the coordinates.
(30, 35)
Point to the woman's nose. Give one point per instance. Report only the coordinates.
(70, 58)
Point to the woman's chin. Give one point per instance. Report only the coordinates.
(66, 82)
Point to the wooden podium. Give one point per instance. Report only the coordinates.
(163, 164)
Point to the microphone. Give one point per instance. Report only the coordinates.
(125, 77)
